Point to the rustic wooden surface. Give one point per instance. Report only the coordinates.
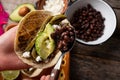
(100, 62)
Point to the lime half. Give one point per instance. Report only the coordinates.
(10, 75)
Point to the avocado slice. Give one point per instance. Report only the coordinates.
(44, 44)
(15, 16)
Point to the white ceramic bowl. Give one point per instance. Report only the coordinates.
(106, 11)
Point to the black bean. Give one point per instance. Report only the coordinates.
(63, 34)
(88, 32)
(71, 33)
(72, 38)
(91, 26)
(77, 32)
(65, 48)
(60, 45)
(90, 23)
(64, 43)
(66, 37)
(70, 29)
(90, 14)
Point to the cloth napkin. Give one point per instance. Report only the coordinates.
(3, 18)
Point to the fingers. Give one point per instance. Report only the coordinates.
(45, 77)
(10, 26)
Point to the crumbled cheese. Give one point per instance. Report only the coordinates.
(48, 46)
(30, 69)
(64, 21)
(56, 26)
(47, 42)
(55, 6)
(38, 58)
(26, 54)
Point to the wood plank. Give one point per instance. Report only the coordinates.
(100, 62)
(114, 3)
(92, 68)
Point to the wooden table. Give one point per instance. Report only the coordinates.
(101, 62)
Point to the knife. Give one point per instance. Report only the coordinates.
(55, 71)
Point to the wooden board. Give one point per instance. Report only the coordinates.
(100, 62)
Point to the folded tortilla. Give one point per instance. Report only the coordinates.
(29, 27)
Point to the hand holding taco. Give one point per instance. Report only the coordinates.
(41, 37)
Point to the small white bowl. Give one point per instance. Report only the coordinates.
(106, 11)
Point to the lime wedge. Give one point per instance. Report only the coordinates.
(10, 75)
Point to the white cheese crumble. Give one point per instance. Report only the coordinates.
(26, 54)
(47, 42)
(48, 46)
(30, 69)
(38, 58)
(55, 6)
(56, 26)
(64, 21)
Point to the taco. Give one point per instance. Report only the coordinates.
(38, 39)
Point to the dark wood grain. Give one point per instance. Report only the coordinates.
(93, 68)
(114, 3)
(100, 62)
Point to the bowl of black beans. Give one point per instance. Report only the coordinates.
(94, 21)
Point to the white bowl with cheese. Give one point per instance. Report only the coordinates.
(56, 6)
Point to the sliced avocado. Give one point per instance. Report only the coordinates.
(49, 29)
(15, 15)
(44, 44)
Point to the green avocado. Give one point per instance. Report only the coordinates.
(15, 15)
(44, 44)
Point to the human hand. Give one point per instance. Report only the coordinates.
(8, 58)
(45, 77)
